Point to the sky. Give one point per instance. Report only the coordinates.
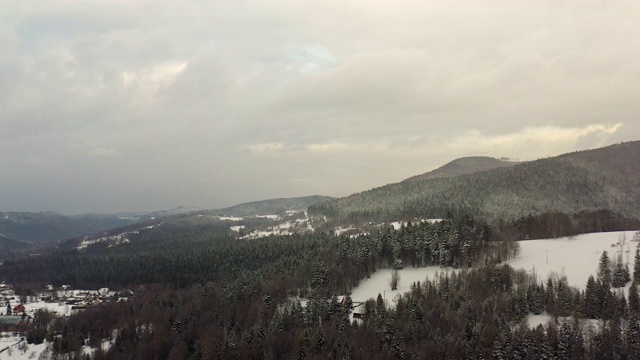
(139, 105)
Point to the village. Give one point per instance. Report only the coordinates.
(18, 313)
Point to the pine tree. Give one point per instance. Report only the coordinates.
(577, 342)
(634, 300)
(591, 299)
(636, 265)
(619, 276)
(565, 337)
(604, 268)
(381, 309)
(633, 338)
(321, 343)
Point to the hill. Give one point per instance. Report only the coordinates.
(272, 206)
(464, 166)
(605, 178)
(48, 226)
(9, 245)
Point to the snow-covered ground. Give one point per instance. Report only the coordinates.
(228, 218)
(378, 283)
(288, 227)
(399, 224)
(574, 257)
(14, 348)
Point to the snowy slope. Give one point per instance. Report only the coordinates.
(575, 257)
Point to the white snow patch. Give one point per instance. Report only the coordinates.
(575, 257)
(378, 283)
(229, 218)
(19, 349)
(237, 228)
(272, 217)
(340, 230)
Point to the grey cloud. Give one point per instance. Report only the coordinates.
(120, 105)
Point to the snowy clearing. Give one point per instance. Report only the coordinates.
(378, 283)
(575, 257)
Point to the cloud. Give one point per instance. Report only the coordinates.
(154, 78)
(224, 102)
(104, 152)
(265, 148)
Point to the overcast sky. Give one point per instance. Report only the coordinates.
(127, 105)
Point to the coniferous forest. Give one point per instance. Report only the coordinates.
(204, 294)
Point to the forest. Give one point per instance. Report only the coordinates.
(583, 181)
(216, 297)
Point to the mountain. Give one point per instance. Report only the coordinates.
(48, 226)
(159, 229)
(464, 166)
(605, 178)
(272, 206)
(165, 213)
(8, 245)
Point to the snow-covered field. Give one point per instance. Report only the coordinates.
(575, 257)
(378, 283)
(14, 348)
(288, 227)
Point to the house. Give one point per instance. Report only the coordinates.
(14, 323)
(19, 309)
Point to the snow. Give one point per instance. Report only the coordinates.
(285, 228)
(229, 218)
(534, 320)
(575, 257)
(543, 319)
(378, 283)
(58, 308)
(399, 224)
(237, 228)
(271, 217)
(19, 349)
(340, 230)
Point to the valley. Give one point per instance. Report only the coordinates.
(311, 277)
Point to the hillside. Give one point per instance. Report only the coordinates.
(271, 206)
(8, 245)
(49, 226)
(605, 178)
(464, 166)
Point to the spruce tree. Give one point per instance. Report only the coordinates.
(604, 268)
(634, 300)
(636, 265)
(619, 276)
(591, 299)
(633, 337)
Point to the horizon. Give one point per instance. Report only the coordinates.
(113, 106)
(124, 212)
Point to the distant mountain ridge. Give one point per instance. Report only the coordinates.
(49, 226)
(271, 206)
(7, 245)
(464, 166)
(605, 178)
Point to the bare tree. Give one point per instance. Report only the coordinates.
(394, 280)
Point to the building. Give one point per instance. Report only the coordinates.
(14, 323)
